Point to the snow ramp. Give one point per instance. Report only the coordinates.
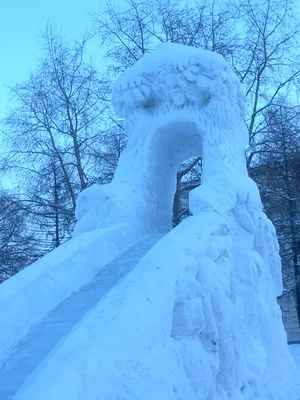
(25, 356)
(189, 316)
(180, 324)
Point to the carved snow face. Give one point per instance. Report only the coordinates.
(176, 77)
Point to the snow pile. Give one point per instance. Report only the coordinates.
(197, 318)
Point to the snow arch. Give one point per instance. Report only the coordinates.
(176, 104)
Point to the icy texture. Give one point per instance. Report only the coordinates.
(33, 348)
(168, 100)
(197, 318)
(33, 292)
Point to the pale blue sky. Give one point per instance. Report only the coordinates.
(20, 24)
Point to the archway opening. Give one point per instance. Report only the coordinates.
(172, 145)
(188, 177)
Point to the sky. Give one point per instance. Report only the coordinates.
(21, 22)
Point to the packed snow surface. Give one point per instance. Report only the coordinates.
(150, 312)
(33, 292)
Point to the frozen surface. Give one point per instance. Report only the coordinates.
(196, 317)
(41, 339)
(33, 292)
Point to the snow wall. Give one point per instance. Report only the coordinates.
(197, 318)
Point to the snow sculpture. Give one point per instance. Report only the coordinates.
(179, 102)
(168, 107)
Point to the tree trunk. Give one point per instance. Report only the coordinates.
(56, 202)
(177, 196)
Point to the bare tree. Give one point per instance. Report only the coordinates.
(52, 132)
(277, 171)
(267, 61)
(133, 30)
(188, 177)
(17, 244)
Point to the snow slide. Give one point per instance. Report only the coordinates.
(178, 326)
(32, 349)
(196, 318)
(35, 291)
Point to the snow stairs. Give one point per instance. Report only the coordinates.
(42, 338)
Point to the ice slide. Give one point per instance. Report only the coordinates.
(42, 338)
(197, 316)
